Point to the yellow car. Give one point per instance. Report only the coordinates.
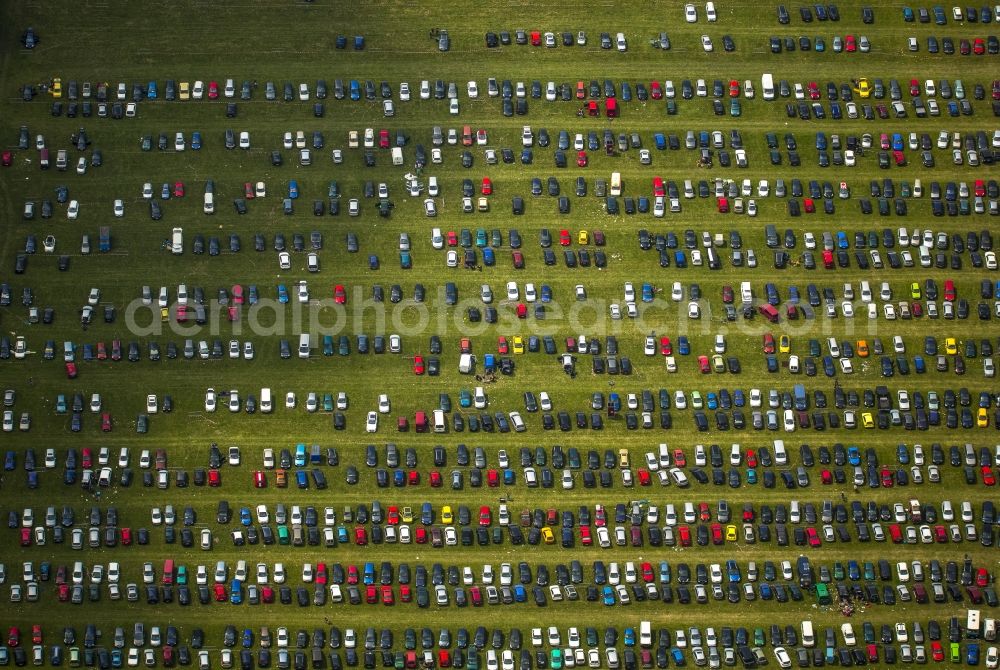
(861, 348)
(406, 514)
(446, 515)
(950, 346)
(584, 237)
(866, 420)
(623, 459)
(982, 418)
(915, 291)
(56, 88)
(863, 88)
(730, 533)
(518, 344)
(184, 92)
(784, 344)
(547, 535)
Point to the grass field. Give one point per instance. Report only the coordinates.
(293, 41)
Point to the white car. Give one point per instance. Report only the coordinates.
(451, 258)
(210, 399)
(629, 292)
(512, 292)
(73, 210)
(694, 310)
(151, 404)
(290, 400)
(234, 400)
(430, 208)
(529, 293)
(690, 13)
(383, 404)
(706, 43)
(371, 424)
(285, 260)
(473, 90)
(404, 91)
(244, 140)
(119, 208)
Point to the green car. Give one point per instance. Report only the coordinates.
(556, 662)
(142, 424)
(481, 238)
(327, 402)
(61, 404)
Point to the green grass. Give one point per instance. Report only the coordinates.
(294, 42)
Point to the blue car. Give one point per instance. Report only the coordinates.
(683, 345)
(405, 262)
(712, 400)
(489, 258)
(647, 292)
(398, 478)
(302, 479)
(236, 592)
(196, 140)
(245, 518)
(293, 189)
(300, 455)
(151, 93)
(252, 296)
(520, 593)
(630, 637)
(247, 638)
(282, 293)
(355, 90)
(608, 596)
(546, 293)
(853, 455)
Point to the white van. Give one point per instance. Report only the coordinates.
(746, 293)
(780, 455)
(808, 638)
(177, 241)
(645, 634)
(266, 405)
(866, 291)
(304, 345)
(209, 203)
(465, 362)
(616, 184)
(397, 155)
(439, 423)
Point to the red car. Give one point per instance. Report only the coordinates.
(63, 592)
(106, 422)
(339, 294)
(768, 343)
(13, 636)
(680, 460)
(988, 477)
(214, 479)
(418, 365)
(502, 347)
(237, 294)
(581, 159)
(213, 90)
(420, 535)
(704, 514)
(585, 537)
(266, 595)
(102, 351)
(886, 477)
(727, 294)
(518, 259)
(126, 536)
(8, 158)
(644, 478)
(684, 533)
(655, 91)
(813, 91)
(435, 479)
(600, 516)
(536, 38)
(751, 458)
(259, 480)
(658, 188)
(812, 537)
(937, 652)
(808, 205)
(383, 139)
(487, 186)
(25, 537)
(371, 594)
(666, 348)
(564, 238)
(220, 593)
(826, 477)
(352, 574)
(914, 87)
(734, 88)
(850, 44)
(405, 594)
(492, 478)
(982, 577)
(949, 290)
(647, 572)
(71, 371)
(178, 189)
(485, 516)
(248, 190)
(979, 188)
(360, 536)
(388, 598)
(717, 538)
(703, 365)
(452, 239)
(87, 459)
(413, 478)
(581, 90)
